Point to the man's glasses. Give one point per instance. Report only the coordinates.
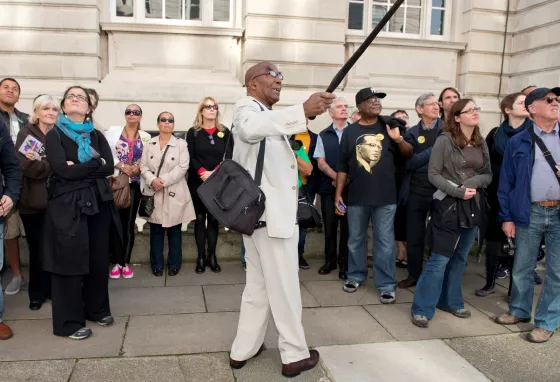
(471, 110)
(432, 104)
(211, 137)
(373, 100)
(133, 112)
(170, 120)
(552, 99)
(78, 97)
(278, 75)
(210, 107)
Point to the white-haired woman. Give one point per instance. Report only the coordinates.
(30, 148)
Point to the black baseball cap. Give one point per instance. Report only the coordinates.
(366, 93)
(539, 93)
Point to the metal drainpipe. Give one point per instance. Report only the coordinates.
(503, 57)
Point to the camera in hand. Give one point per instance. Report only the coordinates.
(296, 144)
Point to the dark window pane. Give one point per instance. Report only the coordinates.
(438, 3)
(356, 16)
(221, 10)
(173, 9)
(396, 23)
(125, 8)
(192, 9)
(377, 14)
(413, 20)
(437, 22)
(153, 9)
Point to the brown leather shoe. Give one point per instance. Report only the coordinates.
(294, 369)
(239, 364)
(406, 283)
(539, 335)
(510, 319)
(5, 332)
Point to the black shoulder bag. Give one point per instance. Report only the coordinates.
(146, 208)
(232, 196)
(547, 155)
(307, 214)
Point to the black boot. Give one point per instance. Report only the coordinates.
(327, 268)
(213, 262)
(200, 263)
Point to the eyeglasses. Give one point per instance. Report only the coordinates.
(552, 99)
(78, 97)
(432, 104)
(170, 120)
(211, 140)
(210, 107)
(373, 100)
(272, 73)
(133, 112)
(471, 111)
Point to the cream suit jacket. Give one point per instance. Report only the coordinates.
(280, 174)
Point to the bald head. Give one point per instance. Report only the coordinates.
(264, 82)
(260, 68)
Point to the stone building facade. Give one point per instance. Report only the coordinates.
(169, 54)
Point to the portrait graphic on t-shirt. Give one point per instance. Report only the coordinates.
(368, 150)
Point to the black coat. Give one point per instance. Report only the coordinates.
(10, 170)
(75, 192)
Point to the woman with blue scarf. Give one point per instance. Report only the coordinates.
(515, 121)
(80, 217)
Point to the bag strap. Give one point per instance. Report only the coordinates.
(260, 156)
(547, 154)
(162, 159)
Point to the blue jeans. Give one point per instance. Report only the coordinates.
(175, 255)
(383, 245)
(544, 221)
(1, 265)
(440, 281)
(242, 255)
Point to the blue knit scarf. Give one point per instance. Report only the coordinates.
(79, 133)
(505, 132)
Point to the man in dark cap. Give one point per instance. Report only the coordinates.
(529, 195)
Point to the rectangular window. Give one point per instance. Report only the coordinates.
(221, 10)
(125, 8)
(438, 17)
(356, 15)
(405, 20)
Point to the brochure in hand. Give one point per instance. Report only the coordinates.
(32, 144)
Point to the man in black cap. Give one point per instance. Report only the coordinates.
(368, 151)
(529, 196)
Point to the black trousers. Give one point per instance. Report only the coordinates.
(39, 280)
(77, 298)
(128, 223)
(330, 223)
(418, 208)
(206, 228)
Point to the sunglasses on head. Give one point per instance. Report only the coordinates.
(133, 112)
(552, 99)
(210, 107)
(170, 120)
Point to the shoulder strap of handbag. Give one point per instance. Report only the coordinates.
(161, 163)
(547, 155)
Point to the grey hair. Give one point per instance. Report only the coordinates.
(420, 101)
(38, 103)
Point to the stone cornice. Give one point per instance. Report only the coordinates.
(410, 42)
(174, 29)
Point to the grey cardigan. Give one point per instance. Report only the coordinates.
(447, 163)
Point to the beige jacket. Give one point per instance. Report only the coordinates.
(280, 174)
(173, 204)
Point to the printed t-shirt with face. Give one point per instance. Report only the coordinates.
(367, 155)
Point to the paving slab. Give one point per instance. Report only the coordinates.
(227, 298)
(494, 306)
(44, 371)
(312, 275)
(232, 273)
(128, 370)
(419, 361)
(330, 293)
(157, 300)
(396, 319)
(33, 340)
(505, 283)
(210, 367)
(180, 334)
(142, 278)
(17, 308)
(268, 367)
(511, 358)
(336, 326)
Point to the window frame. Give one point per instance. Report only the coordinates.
(425, 22)
(206, 15)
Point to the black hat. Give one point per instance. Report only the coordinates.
(539, 93)
(366, 93)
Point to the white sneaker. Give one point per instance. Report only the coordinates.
(14, 286)
(387, 297)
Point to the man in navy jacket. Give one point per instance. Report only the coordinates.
(529, 196)
(416, 187)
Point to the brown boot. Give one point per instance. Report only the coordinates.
(295, 368)
(510, 319)
(539, 335)
(5, 331)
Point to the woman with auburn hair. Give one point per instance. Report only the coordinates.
(207, 142)
(459, 168)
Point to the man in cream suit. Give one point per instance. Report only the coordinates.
(271, 252)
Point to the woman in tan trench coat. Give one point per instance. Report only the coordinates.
(173, 205)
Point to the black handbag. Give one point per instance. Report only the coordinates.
(307, 214)
(146, 208)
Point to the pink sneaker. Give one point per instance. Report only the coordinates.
(115, 272)
(127, 272)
